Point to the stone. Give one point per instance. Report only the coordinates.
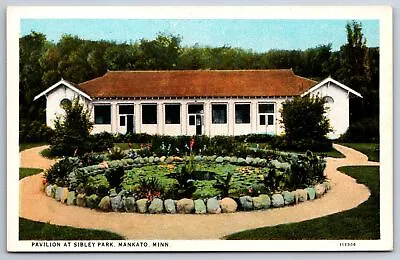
(219, 159)
(246, 202)
(71, 198)
(327, 185)
(277, 201)
(156, 159)
(169, 206)
(319, 190)
(197, 158)
(141, 205)
(178, 159)
(300, 195)
(129, 204)
(169, 160)
(256, 161)
(200, 207)
(261, 202)
(156, 206)
(151, 159)
(105, 204)
(137, 160)
(113, 193)
(92, 201)
(233, 159)
(241, 161)
(80, 200)
(142, 160)
(262, 162)
(227, 159)
(53, 190)
(249, 160)
(61, 194)
(116, 203)
(310, 193)
(185, 206)
(228, 205)
(213, 206)
(48, 190)
(288, 197)
(162, 159)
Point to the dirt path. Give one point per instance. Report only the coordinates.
(345, 194)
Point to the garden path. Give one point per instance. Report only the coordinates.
(35, 205)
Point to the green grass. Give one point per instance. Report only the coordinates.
(46, 153)
(25, 172)
(124, 146)
(358, 223)
(25, 146)
(33, 230)
(369, 149)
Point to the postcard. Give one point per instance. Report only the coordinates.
(199, 128)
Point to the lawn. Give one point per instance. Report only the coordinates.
(25, 146)
(33, 230)
(25, 172)
(358, 223)
(369, 149)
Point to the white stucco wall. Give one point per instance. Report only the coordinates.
(53, 99)
(338, 111)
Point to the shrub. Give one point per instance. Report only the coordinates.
(305, 123)
(114, 176)
(98, 185)
(149, 187)
(58, 173)
(34, 132)
(72, 131)
(365, 130)
(116, 153)
(306, 169)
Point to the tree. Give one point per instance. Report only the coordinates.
(72, 130)
(354, 70)
(305, 123)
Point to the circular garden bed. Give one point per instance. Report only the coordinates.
(188, 184)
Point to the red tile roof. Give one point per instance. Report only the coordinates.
(197, 83)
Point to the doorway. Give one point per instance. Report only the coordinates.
(129, 124)
(195, 119)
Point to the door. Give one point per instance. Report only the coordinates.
(199, 124)
(129, 124)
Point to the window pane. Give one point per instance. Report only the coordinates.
(149, 114)
(270, 120)
(242, 113)
(262, 119)
(195, 109)
(192, 120)
(219, 114)
(122, 120)
(266, 108)
(172, 114)
(126, 109)
(102, 114)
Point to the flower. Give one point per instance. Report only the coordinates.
(44, 181)
(191, 143)
(130, 145)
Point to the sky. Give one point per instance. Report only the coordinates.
(258, 35)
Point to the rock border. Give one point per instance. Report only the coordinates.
(126, 203)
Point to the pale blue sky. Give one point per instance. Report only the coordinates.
(258, 35)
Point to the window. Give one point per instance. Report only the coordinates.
(173, 114)
(266, 108)
(270, 119)
(262, 119)
(65, 103)
(122, 121)
(192, 120)
(266, 113)
(195, 109)
(242, 113)
(328, 100)
(149, 114)
(219, 114)
(126, 109)
(102, 114)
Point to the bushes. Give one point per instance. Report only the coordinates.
(365, 130)
(58, 173)
(34, 132)
(306, 126)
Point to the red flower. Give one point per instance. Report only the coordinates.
(129, 145)
(44, 181)
(191, 143)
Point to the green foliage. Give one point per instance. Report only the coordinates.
(98, 185)
(305, 123)
(115, 176)
(224, 183)
(34, 132)
(306, 169)
(116, 153)
(149, 188)
(58, 173)
(364, 130)
(72, 131)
